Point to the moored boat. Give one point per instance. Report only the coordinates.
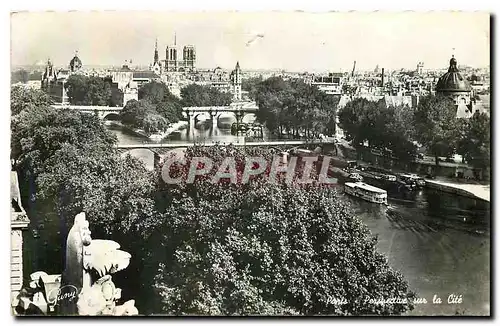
(366, 192)
(355, 177)
(413, 180)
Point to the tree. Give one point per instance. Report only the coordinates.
(295, 108)
(354, 119)
(167, 104)
(22, 98)
(436, 125)
(170, 110)
(474, 143)
(116, 193)
(265, 248)
(218, 98)
(384, 127)
(200, 95)
(135, 112)
(83, 90)
(154, 123)
(37, 132)
(251, 85)
(154, 92)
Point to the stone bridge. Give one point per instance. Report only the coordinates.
(242, 111)
(160, 150)
(103, 112)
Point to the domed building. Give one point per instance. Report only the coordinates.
(455, 85)
(75, 64)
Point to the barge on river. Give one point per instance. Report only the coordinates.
(366, 192)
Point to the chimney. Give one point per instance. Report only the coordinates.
(382, 77)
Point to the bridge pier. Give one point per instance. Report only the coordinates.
(156, 160)
(190, 116)
(215, 118)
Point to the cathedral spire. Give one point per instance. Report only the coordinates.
(156, 56)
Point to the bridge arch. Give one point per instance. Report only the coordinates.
(111, 116)
(153, 157)
(225, 119)
(198, 116)
(249, 118)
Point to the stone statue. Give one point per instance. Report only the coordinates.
(86, 287)
(89, 264)
(73, 279)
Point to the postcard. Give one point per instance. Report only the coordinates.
(250, 163)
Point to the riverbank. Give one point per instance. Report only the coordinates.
(470, 190)
(463, 189)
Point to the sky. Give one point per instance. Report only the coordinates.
(294, 41)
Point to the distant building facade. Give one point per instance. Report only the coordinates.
(19, 223)
(53, 83)
(236, 82)
(420, 68)
(331, 84)
(53, 80)
(174, 60)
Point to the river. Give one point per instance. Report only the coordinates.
(438, 241)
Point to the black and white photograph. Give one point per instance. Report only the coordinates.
(267, 163)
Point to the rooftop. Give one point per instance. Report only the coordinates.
(145, 74)
(453, 81)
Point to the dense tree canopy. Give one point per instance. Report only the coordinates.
(115, 193)
(264, 248)
(166, 104)
(201, 95)
(474, 143)
(295, 108)
(38, 132)
(88, 90)
(436, 125)
(250, 85)
(22, 98)
(384, 127)
(142, 114)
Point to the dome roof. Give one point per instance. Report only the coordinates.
(75, 63)
(452, 81)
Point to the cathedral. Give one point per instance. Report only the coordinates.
(173, 62)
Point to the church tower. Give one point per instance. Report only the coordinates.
(49, 75)
(156, 57)
(156, 66)
(171, 59)
(236, 82)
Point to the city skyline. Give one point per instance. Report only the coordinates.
(267, 41)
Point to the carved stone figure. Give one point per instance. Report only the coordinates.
(86, 287)
(73, 276)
